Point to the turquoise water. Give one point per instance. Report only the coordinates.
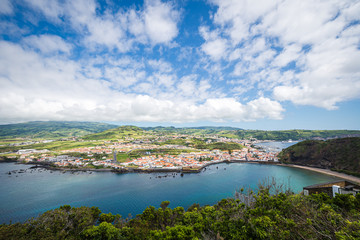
(25, 195)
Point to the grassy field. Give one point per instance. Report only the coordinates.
(53, 146)
(123, 132)
(122, 157)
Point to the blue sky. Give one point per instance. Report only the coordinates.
(251, 64)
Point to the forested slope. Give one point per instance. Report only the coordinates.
(338, 154)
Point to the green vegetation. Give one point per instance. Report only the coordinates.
(122, 132)
(122, 157)
(103, 131)
(281, 215)
(180, 141)
(220, 146)
(336, 154)
(230, 132)
(53, 146)
(52, 129)
(294, 134)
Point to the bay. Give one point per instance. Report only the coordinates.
(275, 145)
(28, 194)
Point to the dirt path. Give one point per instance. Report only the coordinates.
(328, 172)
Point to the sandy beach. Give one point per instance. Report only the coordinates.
(328, 172)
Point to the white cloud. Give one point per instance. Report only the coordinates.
(37, 88)
(104, 30)
(319, 38)
(214, 46)
(160, 21)
(51, 9)
(303, 22)
(160, 65)
(12, 29)
(48, 43)
(123, 78)
(136, 26)
(238, 15)
(188, 86)
(290, 53)
(283, 50)
(107, 33)
(156, 23)
(6, 7)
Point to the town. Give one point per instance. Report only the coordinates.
(152, 156)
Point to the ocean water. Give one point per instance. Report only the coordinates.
(276, 146)
(28, 194)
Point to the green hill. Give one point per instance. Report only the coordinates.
(295, 134)
(117, 133)
(337, 154)
(52, 129)
(239, 133)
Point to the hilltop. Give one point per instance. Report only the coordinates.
(281, 135)
(104, 131)
(337, 154)
(52, 129)
(117, 133)
(296, 134)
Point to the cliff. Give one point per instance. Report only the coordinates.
(336, 154)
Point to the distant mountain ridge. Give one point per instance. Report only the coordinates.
(279, 135)
(95, 131)
(221, 128)
(52, 129)
(338, 154)
(296, 134)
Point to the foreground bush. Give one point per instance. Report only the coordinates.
(265, 216)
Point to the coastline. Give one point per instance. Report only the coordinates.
(188, 170)
(135, 170)
(325, 171)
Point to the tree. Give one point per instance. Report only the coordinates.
(105, 231)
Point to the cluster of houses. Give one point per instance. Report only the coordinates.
(194, 159)
(200, 159)
(166, 161)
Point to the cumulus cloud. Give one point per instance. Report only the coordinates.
(88, 59)
(156, 23)
(48, 43)
(215, 46)
(6, 7)
(160, 21)
(57, 89)
(160, 65)
(300, 51)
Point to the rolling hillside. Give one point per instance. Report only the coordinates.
(117, 133)
(239, 133)
(52, 129)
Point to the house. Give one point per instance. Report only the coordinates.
(331, 188)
